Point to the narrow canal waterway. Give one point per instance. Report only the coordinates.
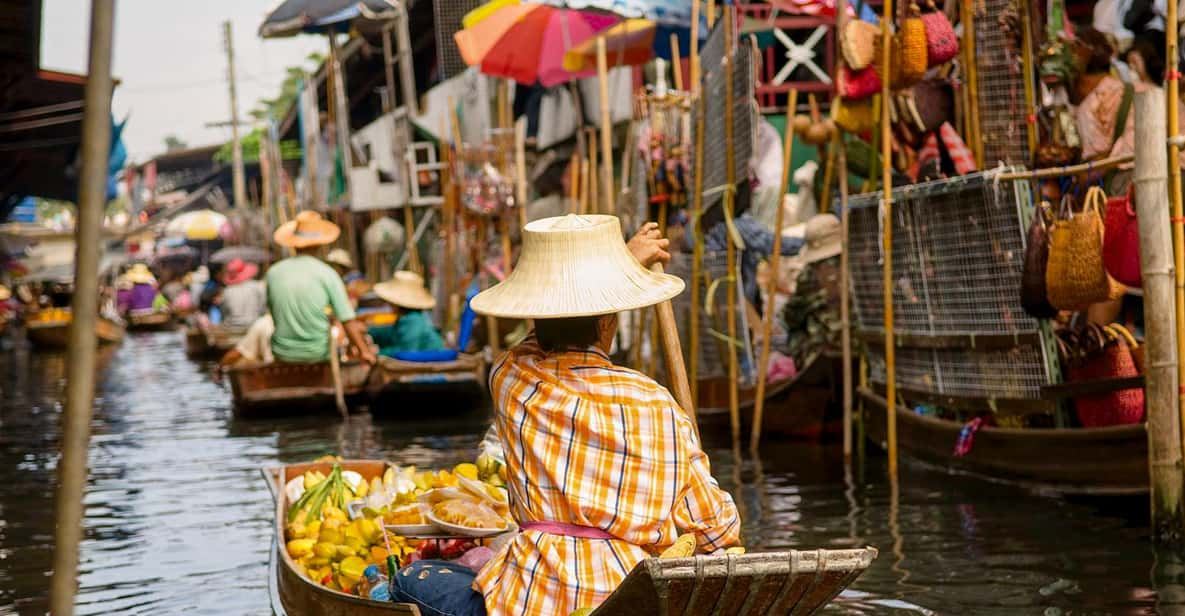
(178, 515)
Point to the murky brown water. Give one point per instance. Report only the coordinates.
(178, 513)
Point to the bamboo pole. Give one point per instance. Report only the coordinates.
(593, 184)
(967, 9)
(697, 206)
(574, 180)
(585, 181)
(1027, 72)
(448, 222)
(767, 317)
(80, 361)
(845, 317)
(413, 251)
(887, 279)
(734, 416)
(520, 166)
(606, 129)
(676, 62)
(1173, 85)
(1156, 255)
(693, 56)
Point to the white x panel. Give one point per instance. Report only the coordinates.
(801, 55)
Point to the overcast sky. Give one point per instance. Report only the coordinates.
(169, 57)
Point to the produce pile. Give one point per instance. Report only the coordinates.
(339, 524)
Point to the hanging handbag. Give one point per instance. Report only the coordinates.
(942, 44)
(854, 116)
(1075, 277)
(1032, 279)
(910, 59)
(1135, 347)
(1100, 354)
(859, 84)
(1121, 240)
(935, 103)
(860, 43)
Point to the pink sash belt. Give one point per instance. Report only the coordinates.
(566, 530)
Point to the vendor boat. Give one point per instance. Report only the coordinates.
(50, 329)
(292, 389)
(795, 581)
(1074, 461)
(211, 342)
(457, 377)
(150, 321)
(795, 408)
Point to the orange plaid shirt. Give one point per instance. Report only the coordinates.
(593, 444)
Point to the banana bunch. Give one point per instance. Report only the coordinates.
(319, 492)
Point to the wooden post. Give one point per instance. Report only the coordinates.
(845, 317)
(594, 202)
(1027, 73)
(734, 416)
(1173, 86)
(767, 318)
(967, 14)
(520, 169)
(80, 360)
(1156, 254)
(887, 279)
(697, 205)
(409, 229)
(676, 62)
(606, 130)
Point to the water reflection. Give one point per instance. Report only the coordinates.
(178, 517)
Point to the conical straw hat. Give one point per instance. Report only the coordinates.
(575, 266)
(307, 229)
(406, 289)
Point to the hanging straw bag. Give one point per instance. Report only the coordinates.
(1032, 280)
(1075, 277)
(942, 45)
(911, 58)
(1101, 354)
(859, 84)
(860, 43)
(1121, 240)
(1137, 350)
(854, 116)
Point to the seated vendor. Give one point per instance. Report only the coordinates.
(604, 468)
(412, 330)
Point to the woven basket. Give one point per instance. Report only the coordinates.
(857, 85)
(1075, 277)
(1121, 241)
(1111, 358)
(860, 44)
(854, 116)
(911, 56)
(942, 44)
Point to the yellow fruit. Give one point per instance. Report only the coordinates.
(379, 554)
(325, 550)
(332, 524)
(317, 561)
(311, 480)
(737, 549)
(331, 535)
(502, 473)
(444, 479)
(295, 530)
(683, 547)
(423, 480)
(344, 551)
(370, 531)
(487, 466)
(362, 489)
(351, 569)
(299, 547)
(329, 512)
(467, 470)
(312, 529)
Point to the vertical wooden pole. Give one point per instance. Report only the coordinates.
(767, 317)
(80, 362)
(676, 62)
(840, 147)
(1173, 86)
(594, 203)
(413, 251)
(967, 14)
(734, 416)
(697, 204)
(1027, 73)
(887, 188)
(606, 130)
(1156, 254)
(520, 169)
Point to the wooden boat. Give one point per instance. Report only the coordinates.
(399, 383)
(150, 321)
(50, 329)
(798, 582)
(289, 389)
(795, 408)
(1090, 461)
(211, 342)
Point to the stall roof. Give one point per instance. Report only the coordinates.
(318, 16)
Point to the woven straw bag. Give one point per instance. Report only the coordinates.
(1032, 279)
(942, 45)
(859, 84)
(911, 58)
(1132, 345)
(1121, 240)
(1075, 277)
(854, 116)
(860, 44)
(1100, 353)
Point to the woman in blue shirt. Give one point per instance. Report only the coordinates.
(413, 329)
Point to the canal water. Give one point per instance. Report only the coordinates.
(178, 515)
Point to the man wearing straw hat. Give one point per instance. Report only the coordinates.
(412, 330)
(299, 289)
(604, 468)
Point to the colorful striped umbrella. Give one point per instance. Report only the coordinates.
(526, 41)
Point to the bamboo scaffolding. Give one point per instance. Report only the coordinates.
(1173, 87)
(967, 13)
(767, 317)
(1027, 73)
(734, 416)
(697, 205)
(887, 280)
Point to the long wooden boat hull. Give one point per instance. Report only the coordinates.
(802, 408)
(292, 389)
(152, 322)
(292, 592)
(211, 343)
(755, 584)
(399, 386)
(1091, 461)
(55, 335)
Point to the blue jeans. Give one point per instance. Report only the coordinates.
(439, 588)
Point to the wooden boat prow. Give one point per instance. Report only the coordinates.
(296, 594)
(260, 389)
(54, 332)
(795, 581)
(150, 321)
(211, 342)
(407, 381)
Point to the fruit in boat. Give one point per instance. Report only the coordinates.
(683, 547)
(467, 470)
(487, 466)
(325, 550)
(468, 514)
(297, 548)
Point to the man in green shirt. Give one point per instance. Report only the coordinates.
(300, 288)
(413, 329)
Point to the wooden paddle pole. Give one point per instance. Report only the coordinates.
(673, 352)
(734, 416)
(1173, 83)
(697, 204)
(767, 318)
(80, 384)
(335, 371)
(1164, 426)
(887, 270)
(845, 318)
(606, 129)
